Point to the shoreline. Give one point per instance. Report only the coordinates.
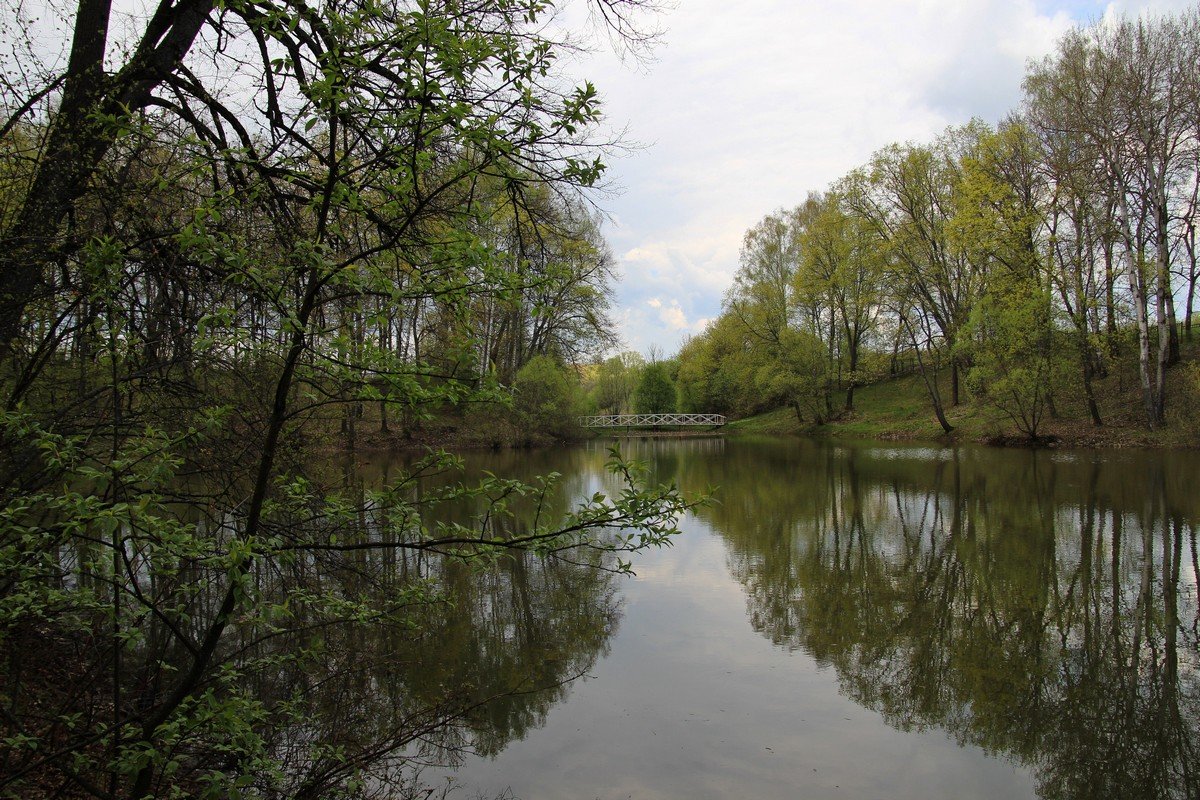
(1112, 438)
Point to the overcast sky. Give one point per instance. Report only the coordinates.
(750, 105)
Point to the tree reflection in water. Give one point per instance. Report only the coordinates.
(468, 659)
(357, 660)
(1041, 605)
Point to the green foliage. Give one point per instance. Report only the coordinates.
(1015, 353)
(82, 554)
(761, 291)
(798, 376)
(655, 393)
(396, 225)
(1011, 337)
(1072, 221)
(694, 383)
(717, 370)
(613, 383)
(547, 397)
(841, 281)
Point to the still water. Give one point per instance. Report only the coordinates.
(853, 621)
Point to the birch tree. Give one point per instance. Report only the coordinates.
(1128, 89)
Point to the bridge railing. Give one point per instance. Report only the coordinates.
(650, 420)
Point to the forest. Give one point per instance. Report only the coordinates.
(229, 232)
(1015, 266)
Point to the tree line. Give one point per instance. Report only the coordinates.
(167, 258)
(1022, 260)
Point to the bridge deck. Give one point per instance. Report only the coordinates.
(650, 420)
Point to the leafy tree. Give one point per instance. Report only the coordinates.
(842, 273)
(1011, 339)
(1080, 254)
(655, 393)
(614, 382)
(762, 286)
(717, 370)
(697, 365)
(910, 201)
(1126, 92)
(192, 290)
(547, 397)
(1016, 360)
(1094, 179)
(799, 376)
(560, 291)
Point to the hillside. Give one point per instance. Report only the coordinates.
(900, 409)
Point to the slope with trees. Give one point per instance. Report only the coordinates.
(1040, 260)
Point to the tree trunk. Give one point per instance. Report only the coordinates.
(853, 342)
(1189, 242)
(1089, 375)
(1137, 291)
(953, 378)
(930, 384)
(84, 128)
(1168, 337)
(1110, 302)
(1159, 390)
(1166, 297)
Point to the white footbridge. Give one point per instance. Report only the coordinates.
(652, 420)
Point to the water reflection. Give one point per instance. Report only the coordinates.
(1040, 605)
(478, 654)
(354, 663)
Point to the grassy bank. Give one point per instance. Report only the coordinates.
(901, 409)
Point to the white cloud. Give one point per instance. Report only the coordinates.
(1135, 8)
(674, 317)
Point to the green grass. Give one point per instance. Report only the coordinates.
(901, 409)
(781, 421)
(892, 409)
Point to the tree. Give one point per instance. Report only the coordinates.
(1015, 361)
(309, 63)
(1079, 254)
(655, 393)
(842, 273)
(1127, 91)
(717, 370)
(799, 376)
(547, 397)
(1010, 341)
(762, 286)
(911, 198)
(615, 380)
(1097, 177)
(559, 300)
(191, 288)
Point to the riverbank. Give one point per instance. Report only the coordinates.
(900, 409)
(897, 409)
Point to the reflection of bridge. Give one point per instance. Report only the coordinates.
(651, 420)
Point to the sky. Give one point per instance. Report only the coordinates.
(746, 107)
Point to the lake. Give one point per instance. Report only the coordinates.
(850, 620)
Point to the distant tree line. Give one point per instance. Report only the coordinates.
(1017, 260)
